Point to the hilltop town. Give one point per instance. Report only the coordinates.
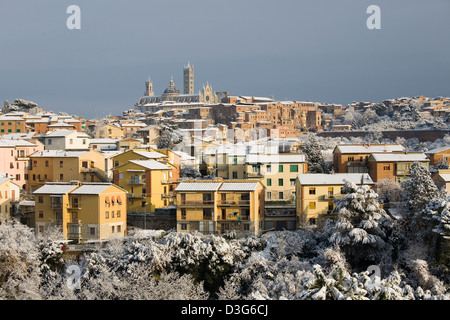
(214, 164)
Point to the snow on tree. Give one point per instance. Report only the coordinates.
(169, 137)
(419, 189)
(314, 157)
(360, 227)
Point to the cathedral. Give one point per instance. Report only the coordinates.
(172, 98)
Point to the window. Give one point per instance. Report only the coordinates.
(269, 195)
(269, 182)
(112, 214)
(312, 220)
(118, 213)
(292, 182)
(183, 213)
(40, 199)
(112, 229)
(312, 205)
(312, 190)
(387, 168)
(269, 168)
(41, 214)
(184, 226)
(61, 164)
(92, 231)
(234, 174)
(293, 168)
(281, 196)
(70, 141)
(351, 158)
(280, 182)
(61, 177)
(280, 168)
(49, 141)
(119, 228)
(106, 214)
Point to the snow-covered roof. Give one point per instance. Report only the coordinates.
(275, 158)
(91, 188)
(352, 148)
(58, 153)
(55, 188)
(150, 154)
(399, 157)
(239, 186)
(151, 164)
(15, 143)
(198, 186)
(333, 179)
(437, 150)
(59, 133)
(445, 176)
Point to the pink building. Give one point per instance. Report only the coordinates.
(14, 158)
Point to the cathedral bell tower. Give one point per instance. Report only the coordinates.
(149, 88)
(188, 73)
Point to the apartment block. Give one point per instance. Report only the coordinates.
(218, 206)
(147, 183)
(64, 166)
(394, 166)
(278, 173)
(354, 158)
(83, 211)
(14, 158)
(439, 155)
(315, 193)
(11, 124)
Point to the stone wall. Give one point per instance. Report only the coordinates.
(421, 135)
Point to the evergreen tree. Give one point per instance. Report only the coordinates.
(419, 189)
(314, 157)
(361, 225)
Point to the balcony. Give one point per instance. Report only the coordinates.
(169, 181)
(136, 181)
(234, 202)
(329, 197)
(170, 194)
(255, 175)
(74, 231)
(138, 195)
(56, 205)
(196, 203)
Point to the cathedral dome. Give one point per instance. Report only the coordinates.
(172, 89)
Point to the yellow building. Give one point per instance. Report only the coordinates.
(219, 206)
(89, 211)
(315, 194)
(278, 173)
(65, 166)
(147, 183)
(442, 180)
(109, 131)
(128, 144)
(138, 154)
(9, 193)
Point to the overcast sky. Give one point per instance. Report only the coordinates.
(314, 50)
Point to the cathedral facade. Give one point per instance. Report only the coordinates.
(172, 98)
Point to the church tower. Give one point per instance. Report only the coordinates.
(188, 73)
(149, 88)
